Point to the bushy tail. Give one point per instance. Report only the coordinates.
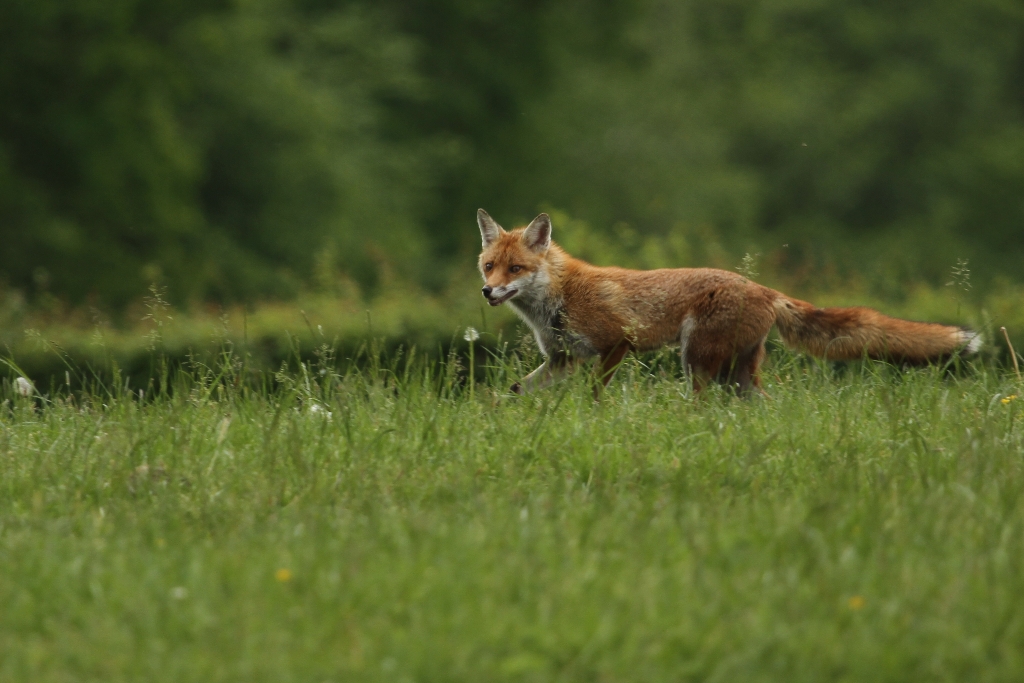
(852, 333)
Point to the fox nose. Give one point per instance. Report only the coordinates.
(487, 292)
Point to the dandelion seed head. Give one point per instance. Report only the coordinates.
(23, 386)
(471, 334)
(317, 409)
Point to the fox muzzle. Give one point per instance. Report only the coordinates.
(496, 296)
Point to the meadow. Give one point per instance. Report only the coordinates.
(208, 211)
(388, 521)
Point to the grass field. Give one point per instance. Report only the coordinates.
(389, 524)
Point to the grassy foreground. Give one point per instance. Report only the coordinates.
(388, 525)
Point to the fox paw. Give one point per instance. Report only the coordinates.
(517, 388)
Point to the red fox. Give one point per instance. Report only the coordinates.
(720, 319)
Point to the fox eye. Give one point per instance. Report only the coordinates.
(515, 269)
(488, 266)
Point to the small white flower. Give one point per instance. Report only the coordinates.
(179, 593)
(317, 409)
(471, 334)
(23, 386)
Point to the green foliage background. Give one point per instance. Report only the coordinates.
(235, 150)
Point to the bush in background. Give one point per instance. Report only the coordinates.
(235, 152)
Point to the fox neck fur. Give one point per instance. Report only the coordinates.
(542, 305)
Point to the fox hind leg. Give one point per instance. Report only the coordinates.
(742, 372)
(739, 372)
(705, 372)
(685, 334)
(699, 365)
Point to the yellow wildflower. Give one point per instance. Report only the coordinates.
(283, 575)
(856, 602)
(1006, 400)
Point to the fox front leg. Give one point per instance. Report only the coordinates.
(608, 365)
(550, 371)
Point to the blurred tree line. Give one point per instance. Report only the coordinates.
(238, 149)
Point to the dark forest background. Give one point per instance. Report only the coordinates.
(240, 150)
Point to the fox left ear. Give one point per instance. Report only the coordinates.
(538, 233)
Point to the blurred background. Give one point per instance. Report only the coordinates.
(175, 170)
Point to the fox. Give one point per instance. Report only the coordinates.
(719, 319)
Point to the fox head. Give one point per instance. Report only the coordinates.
(513, 262)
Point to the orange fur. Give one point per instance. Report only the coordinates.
(720, 319)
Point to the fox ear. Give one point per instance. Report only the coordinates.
(489, 230)
(538, 233)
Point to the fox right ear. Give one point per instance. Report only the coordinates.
(489, 230)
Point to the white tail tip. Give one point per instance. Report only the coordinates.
(970, 340)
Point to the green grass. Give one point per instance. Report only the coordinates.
(385, 525)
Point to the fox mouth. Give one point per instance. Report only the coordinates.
(497, 301)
